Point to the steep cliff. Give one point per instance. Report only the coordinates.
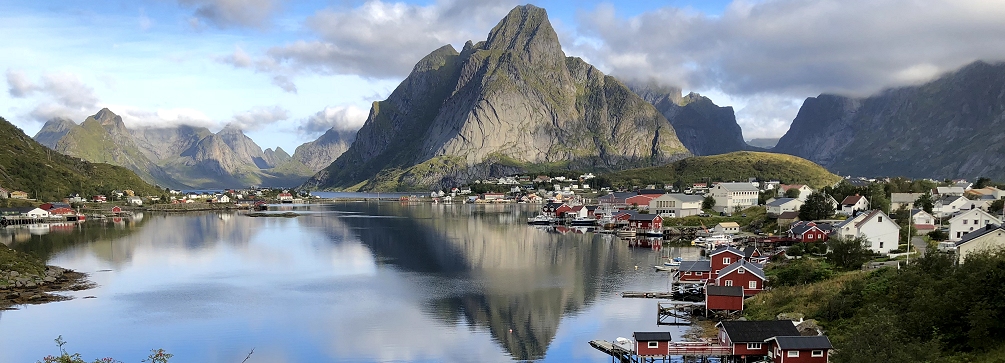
(320, 153)
(702, 126)
(497, 107)
(947, 128)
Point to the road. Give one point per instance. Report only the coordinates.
(919, 245)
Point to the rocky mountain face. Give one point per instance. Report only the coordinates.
(764, 143)
(278, 156)
(500, 106)
(320, 153)
(175, 157)
(703, 127)
(950, 127)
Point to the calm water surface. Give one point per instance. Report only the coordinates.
(350, 282)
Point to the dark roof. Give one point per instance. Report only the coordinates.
(757, 331)
(652, 191)
(726, 249)
(749, 266)
(713, 290)
(789, 215)
(703, 265)
(802, 343)
(16, 210)
(802, 228)
(643, 217)
(980, 232)
(650, 336)
(780, 201)
(618, 196)
(851, 199)
(749, 251)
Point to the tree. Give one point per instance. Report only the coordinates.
(848, 254)
(792, 193)
(925, 202)
(708, 203)
(982, 182)
(817, 206)
(938, 235)
(996, 206)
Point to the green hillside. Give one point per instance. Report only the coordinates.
(736, 166)
(29, 166)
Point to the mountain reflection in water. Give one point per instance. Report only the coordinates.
(342, 282)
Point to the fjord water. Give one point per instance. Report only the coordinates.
(344, 282)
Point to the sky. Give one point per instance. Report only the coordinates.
(287, 71)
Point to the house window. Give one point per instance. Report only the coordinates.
(698, 273)
(817, 353)
(975, 222)
(881, 245)
(653, 345)
(792, 353)
(964, 221)
(717, 272)
(880, 221)
(687, 273)
(740, 270)
(728, 283)
(752, 285)
(753, 346)
(811, 236)
(725, 260)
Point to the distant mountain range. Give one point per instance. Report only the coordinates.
(703, 127)
(176, 157)
(951, 127)
(509, 104)
(763, 143)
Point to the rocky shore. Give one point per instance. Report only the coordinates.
(26, 281)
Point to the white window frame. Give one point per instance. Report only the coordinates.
(753, 346)
(817, 353)
(792, 354)
(740, 270)
(728, 283)
(752, 285)
(726, 261)
(653, 345)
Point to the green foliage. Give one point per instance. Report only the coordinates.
(708, 202)
(848, 254)
(799, 271)
(938, 235)
(729, 167)
(817, 207)
(792, 193)
(925, 202)
(47, 175)
(982, 182)
(996, 206)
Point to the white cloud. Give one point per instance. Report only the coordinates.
(162, 118)
(58, 95)
(18, 84)
(231, 13)
(258, 117)
(796, 47)
(343, 118)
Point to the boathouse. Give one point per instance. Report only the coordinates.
(695, 270)
(747, 275)
(799, 349)
(752, 254)
(645, 221)
(652, 344)
(747, 338)
(723, 257)
(550, 208)
(723, 298)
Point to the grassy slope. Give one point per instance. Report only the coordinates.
(734, 166)
(27, 165)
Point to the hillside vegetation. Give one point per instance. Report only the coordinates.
(735, 166)
(48, 175)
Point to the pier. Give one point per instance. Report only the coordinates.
(20, 220)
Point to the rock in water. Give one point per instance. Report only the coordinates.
(498, 107)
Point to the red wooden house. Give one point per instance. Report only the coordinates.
(747, 275)
(728, 298)
(752, 254)
(652, 344)
(808, 232)
(799, 349)
(59, 209)
(747, 337)
(645, 221)
(722, 257)
(695, 270)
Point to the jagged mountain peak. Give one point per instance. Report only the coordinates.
(527, 32)
(108, 118)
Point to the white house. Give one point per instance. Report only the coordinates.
(977, 204)
(852, 204)
(223, 198)
(944, 191)
(949, 205)
(678, 205)
(726, 228)
(970, 221)
(137, 201)
(731, 197)
(782, 205)
(875, 226)
(922, 221)
(989, 238)
(804, 190)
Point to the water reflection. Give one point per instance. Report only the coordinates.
(430, 283)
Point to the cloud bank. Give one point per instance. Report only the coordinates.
(341, 118)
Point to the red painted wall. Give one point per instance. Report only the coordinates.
(742, 280)
(805, 356)
(718, 262)
(741, 349)
(724, 303)
(693, 277)
(643, 348)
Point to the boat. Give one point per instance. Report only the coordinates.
(540, 219)
(626, 232)
(607, 222)
(665, 268)
(674, 262)
(713, 241)
(655, 232)
(583, 221)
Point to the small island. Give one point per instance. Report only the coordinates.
(26, 280)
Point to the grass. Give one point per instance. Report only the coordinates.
(752, 214)
(804, 299)
(735, 166)
(23, 263)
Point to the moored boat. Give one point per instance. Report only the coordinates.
(626, 232)
(540, 219)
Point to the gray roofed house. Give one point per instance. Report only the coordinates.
(819, 342)
(696, 266)
(748, 266)
(739, 187)
(714, 290)
(757, 331)
(726, 249)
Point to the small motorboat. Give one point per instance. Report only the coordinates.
(583, 221)
(626, 232)
(674, 262)
(540, 219)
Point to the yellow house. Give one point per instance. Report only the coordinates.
(989, 238)
(17, 194)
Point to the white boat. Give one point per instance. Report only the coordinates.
(665, 268)
(626, 232)
(583, 221)
(713, 241)
(655, 232)
(674, 262)
(540, 219)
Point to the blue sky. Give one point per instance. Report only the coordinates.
(286, 71)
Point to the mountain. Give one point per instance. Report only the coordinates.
(763, 143)
(951, 127)
(504, 105)
(320, 153)
(48, 175)
(735, 166)
(703, 127)
(177, 157)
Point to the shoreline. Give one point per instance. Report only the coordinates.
(35, 290)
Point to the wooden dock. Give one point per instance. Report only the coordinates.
(647, 295)
(687, 351)
(679, 311)
(617, 353)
